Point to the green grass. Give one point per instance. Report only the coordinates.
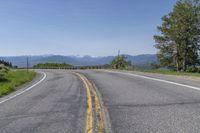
(168, 72)
(14, 79)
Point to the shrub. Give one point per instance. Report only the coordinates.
(3, 71)
(120, 62)
(193, 70)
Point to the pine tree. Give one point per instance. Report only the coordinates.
(179, 41)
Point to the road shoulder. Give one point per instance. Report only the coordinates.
(23, 87)
(185, 80)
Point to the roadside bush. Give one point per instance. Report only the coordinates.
(3, 71)
(120, 62)
(193, 70)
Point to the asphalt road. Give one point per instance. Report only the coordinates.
(134, 104)
(56, 105)
(138, 105)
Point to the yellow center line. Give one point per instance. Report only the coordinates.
(99, 112)
(89, 115)
(91, 92)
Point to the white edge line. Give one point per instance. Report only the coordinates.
(29, 88)
(156, 79)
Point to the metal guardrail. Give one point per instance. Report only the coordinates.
(77, 67)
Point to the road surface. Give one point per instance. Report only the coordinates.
(56, 105)
(132, 103)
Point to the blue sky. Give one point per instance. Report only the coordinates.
(80, 27)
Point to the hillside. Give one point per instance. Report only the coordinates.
(20, 61)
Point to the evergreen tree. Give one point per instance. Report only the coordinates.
(179, 41)
(6, 63)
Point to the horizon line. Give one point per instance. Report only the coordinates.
(72, 55)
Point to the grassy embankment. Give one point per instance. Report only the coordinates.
(166, 72)
(13, 79)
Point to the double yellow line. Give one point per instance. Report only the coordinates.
(97, 113)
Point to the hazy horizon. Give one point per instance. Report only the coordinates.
(72, 55)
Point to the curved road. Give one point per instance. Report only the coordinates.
(56, 105)
(135, 104)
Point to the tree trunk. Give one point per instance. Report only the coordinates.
(184, 64)
(184, 58)
(177, 65)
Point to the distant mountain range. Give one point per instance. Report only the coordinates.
(20, 61)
